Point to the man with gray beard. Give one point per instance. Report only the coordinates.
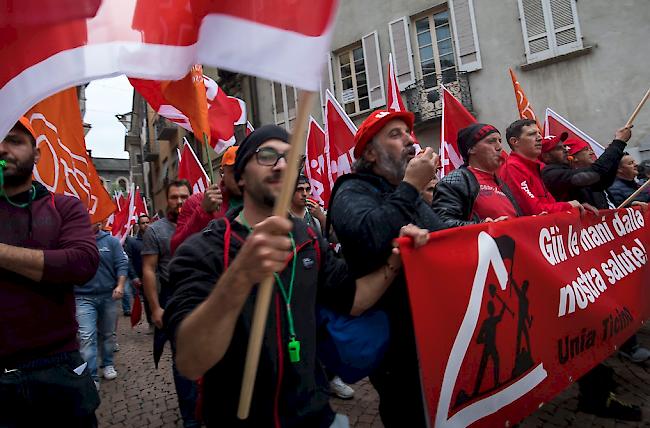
(367, 209)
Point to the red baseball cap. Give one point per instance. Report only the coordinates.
(374, 123)
(550, 142)
(575, 145)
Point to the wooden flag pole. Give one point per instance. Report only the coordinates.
(265, 289)
(635, 194)
(638, 109)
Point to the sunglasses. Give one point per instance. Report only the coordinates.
(267, 156)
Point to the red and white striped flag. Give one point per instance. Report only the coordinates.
(454, 118)
(190, 169)
(316, 165)
(278, 40)
(339, 139)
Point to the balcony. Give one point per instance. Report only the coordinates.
(426, 103)
(164, 129)
(150, 153)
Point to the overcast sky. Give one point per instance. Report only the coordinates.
(104, 99)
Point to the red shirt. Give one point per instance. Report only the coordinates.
(524, 179)
(491, 201)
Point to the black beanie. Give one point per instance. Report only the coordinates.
(469, 136)
(253, 141)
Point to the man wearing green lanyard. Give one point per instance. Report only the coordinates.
(214, 275)
(303, 207)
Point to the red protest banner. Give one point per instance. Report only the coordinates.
(509, 314)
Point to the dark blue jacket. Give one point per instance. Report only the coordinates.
(113, 263)
(622, 189)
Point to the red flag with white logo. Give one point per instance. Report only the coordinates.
(224, 112)
(316, 165)
(190, 169)
(278, 40)
(454, 118)
(339, 139)
(523, 105)
(556, 125)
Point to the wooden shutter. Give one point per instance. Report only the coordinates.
(537, 39)
(400, 46)
(326, 80)
(374, 73)
(565, 25)
(465, 34)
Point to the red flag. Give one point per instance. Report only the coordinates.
(339, 139)
(523, 105)
(454, 118)
(140, 206)
(64, 166)
(556, 125)
(190, 169)
(38, 12)
(224, 112)
(394, 100)
(126, 217)
(316, 165)
(136, 308)
(249, 128)
(278, 40)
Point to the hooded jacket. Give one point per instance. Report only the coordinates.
(623, 189)
(37, 319)
(113, 263)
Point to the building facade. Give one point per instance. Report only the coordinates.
(114, 173)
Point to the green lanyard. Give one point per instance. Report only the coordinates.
(3, 163)
(294, 344)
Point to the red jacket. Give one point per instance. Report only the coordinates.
(524, 179)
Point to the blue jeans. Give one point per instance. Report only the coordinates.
(96, 316)
(127, 297)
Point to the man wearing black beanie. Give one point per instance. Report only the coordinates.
(215, 273)
(473, 193)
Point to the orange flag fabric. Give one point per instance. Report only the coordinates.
(523, 105)
(64, 166)
(188, 96)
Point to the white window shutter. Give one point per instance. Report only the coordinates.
(566, 31)
(535, 25)
(400, 46)
(374, 74)
(326, 80)
(465, 34)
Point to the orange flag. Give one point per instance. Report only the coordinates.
(523, 105)
(188, 95)
(64, 166)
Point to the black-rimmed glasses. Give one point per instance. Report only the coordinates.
(268, 156)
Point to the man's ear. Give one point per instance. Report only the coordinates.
(513, 142)
(370, 154)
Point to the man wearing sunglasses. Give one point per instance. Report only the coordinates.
(215, 273)
(367, 209)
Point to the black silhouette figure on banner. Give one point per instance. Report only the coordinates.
(488, 336)
(523, 356)
(493, 293)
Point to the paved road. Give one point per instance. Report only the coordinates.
(142, 396)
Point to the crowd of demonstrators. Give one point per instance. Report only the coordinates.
(201, 208)
(133, 249)
(625, 185)
(367, 210)
(96, 307)
(46, 247)
(474, 193)
(211, 311)
(156, 255)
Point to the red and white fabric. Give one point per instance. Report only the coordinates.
(454, 118)
(316, 165)
(190, 169)
(339, 139)
(555, 124)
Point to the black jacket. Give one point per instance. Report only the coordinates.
(455, 194)
(585, 184)
(303, 398)
(367, 213)
(623, 189)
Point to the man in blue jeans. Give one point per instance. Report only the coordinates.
(96, 306)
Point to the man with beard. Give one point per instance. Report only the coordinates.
(473, 193)
(46, 246)
(156, 255)
(201, 208)
(367, 210)
(211, 311)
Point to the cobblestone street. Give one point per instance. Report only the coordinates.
(142, 396)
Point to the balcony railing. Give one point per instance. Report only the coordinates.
(164, 129)
(426, 103)
(150, 153)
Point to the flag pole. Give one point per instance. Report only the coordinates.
(207, 153)
(263, 301)
(638, 109)
(635, 194)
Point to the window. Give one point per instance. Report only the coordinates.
(435, 49)
(285, 104)
(550, 28)
(353, 81)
